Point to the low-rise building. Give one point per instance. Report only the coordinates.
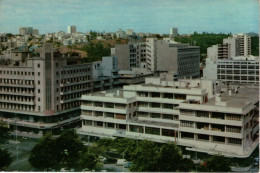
(198, 114)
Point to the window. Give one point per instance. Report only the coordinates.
(39, 99)
(154, 115)
(187, 124)
(152, 131)
(39, 65)
(39, 82)
(166, 132)
(39, 91)
(39, 73)
(39, 108)
(167, 116)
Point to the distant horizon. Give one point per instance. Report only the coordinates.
(125, 30)
(146, 16)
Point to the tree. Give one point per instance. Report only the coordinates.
(95, 51)
(218, 163)
(121, 144)
(4, 133)
(170, 158)
(145, 157)
(65, 151)
(88, 160)
(5, 159)
(186, 165)
(43, 154)
(69, 148)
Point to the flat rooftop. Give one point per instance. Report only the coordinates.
(237, 100)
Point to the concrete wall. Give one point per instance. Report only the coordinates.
(121, 51)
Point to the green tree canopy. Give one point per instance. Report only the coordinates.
(95, 52)
(4, 133)
(218, 163)
(145, 157)
(65, 151)
(43, 154)
(170, 158)
(5, 159)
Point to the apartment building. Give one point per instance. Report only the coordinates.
(190, 113)
(105, 74)
(237, 45)
(3, 39)
(244, 42)
(40, 93)
(219, 51)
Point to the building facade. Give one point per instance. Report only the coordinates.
(105, 74)
(71, 29)
(173, 32)
(131, 55)
(41, 93)
(190, 113)
(237, 45)
(159, 56)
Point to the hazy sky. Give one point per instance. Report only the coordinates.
(155, 16)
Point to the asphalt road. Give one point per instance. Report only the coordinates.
(22, 150)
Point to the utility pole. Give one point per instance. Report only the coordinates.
(16, 144)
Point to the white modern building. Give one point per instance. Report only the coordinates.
(191, 113)
(237, 45)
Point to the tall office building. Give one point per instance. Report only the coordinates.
(26, 30)
(130, 55)
(71, 29)
(191, 113)
(159, 56)
(23, 31)
(174, 32)
(41, 93)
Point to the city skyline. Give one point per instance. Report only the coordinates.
(152, 16)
